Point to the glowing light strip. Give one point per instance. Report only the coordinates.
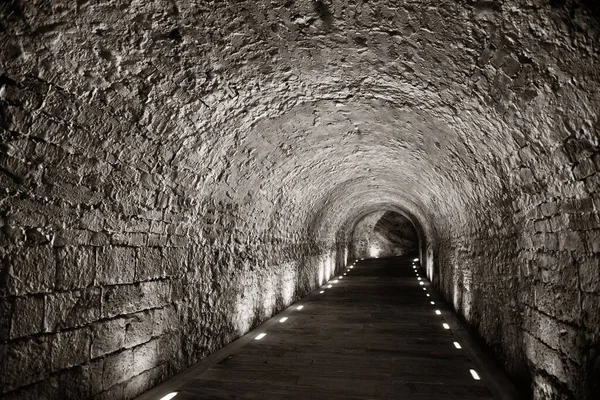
(474, 374)
(260, 336)
(169, 396)
(457, 345)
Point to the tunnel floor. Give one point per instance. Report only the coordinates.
(373, 335)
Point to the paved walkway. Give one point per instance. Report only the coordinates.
(374, 334)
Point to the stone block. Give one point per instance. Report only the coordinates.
(121, 299)
(155, 294)
(146, 356)
(592, 239)
(542, 226)
(559, 222)
(584, 169)
(555, 334)
(549, 360)
(76, 267)
(145, 381)
(138, 328)
(75, 383)
(118, 368)
(45, 389)
(571, 241)
(558, 301)
(590, 308)
(108, 337)
(135, 239)
(31, 270)
(72, 309)
(115, 392)
(159, 240)
(165, 320)
(28, 316)
(592, 183)
(548, 209)
(72, 237)
(116, 265)
(175, 260)
(96, 375)
(6, 310)
(589, 274)
(24, 362)
(70, 348)
(150, 264)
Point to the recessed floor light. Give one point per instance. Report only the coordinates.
(419, 278)
(416, 259)
(438, 312)
(446, 326)
(299, 307)
(335, 281)
(428, 295)
(421, 283)
(432, 302)
(344, 274)
(474, 374)
(457, 345)
(423, 288)
(322, 291)
(282, 320)
(169, 396)
(260, 336)
(329, 286)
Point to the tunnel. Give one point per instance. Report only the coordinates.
(174, 174)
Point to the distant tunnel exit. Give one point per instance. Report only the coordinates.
(384, 234)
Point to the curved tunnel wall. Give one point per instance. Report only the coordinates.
(174, 173)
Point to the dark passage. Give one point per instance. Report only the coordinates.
(373, 334)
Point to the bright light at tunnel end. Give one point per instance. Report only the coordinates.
(169, 396)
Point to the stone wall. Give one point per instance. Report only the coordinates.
(172, 173)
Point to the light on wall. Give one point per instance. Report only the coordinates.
(374, 251)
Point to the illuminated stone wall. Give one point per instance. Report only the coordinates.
(173, 173)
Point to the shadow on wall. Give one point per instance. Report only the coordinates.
(385, 234)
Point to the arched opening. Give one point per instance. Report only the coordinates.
(384, 234)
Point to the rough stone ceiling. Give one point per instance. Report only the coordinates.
(437, 95)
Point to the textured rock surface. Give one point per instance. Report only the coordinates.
(383, 234)
(172, 173)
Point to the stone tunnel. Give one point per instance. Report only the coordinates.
(175, 173)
